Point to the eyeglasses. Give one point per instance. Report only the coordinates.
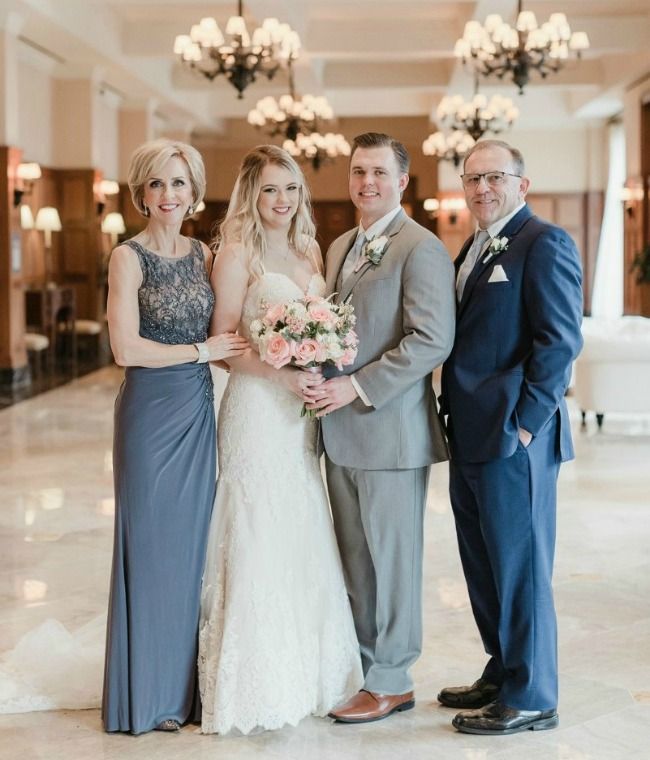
(493, 179)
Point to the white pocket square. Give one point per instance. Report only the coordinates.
(498, 274)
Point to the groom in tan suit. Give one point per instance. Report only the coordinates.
(379, 420)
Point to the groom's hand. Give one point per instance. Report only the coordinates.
(332, 395)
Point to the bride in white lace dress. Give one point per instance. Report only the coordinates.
(276, 637)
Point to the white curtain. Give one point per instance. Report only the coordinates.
(607, 298)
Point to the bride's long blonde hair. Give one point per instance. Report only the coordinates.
(243, 224)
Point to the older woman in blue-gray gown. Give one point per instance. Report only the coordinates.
(159, 308)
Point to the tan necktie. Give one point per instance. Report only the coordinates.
(469, 263)
(352, 258)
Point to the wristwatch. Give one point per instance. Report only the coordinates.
(204, 353)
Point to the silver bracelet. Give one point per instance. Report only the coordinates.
(204, 353)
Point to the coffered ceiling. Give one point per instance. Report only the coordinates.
(371, 58)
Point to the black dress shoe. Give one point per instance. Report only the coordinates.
(498, 719)
(480, 693)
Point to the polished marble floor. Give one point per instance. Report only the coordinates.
(56, 513)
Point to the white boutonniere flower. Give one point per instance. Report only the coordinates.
(373, 252)
(497, 246)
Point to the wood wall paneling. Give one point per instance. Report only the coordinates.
(13, 357)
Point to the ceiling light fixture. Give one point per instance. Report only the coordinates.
(318, 149)
(496, 48)
(240, 57)
(290, 115)
(448, 147)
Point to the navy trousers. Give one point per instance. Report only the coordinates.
(505, 521)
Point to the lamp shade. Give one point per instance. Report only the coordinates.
(29, 171)
(26, 217)
(48, 219)
(113, 223)
(109, 187)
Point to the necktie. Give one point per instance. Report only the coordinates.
(353, 257)
(468, 264)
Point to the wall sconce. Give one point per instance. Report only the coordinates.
(26, 217)
(630, 196)
(26, 174)
(102, 189)
(431, 207)
(452, 206)
(113, 225)
(49, 221)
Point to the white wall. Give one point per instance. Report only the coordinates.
(567, 160)
(34, 106)
(106, 133)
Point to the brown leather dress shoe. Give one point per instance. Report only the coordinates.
(367, 706)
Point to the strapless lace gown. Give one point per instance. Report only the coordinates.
(276, 637)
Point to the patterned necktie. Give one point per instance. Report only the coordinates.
(470, 261)
(353, 257)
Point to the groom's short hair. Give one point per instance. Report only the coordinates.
(380, 140)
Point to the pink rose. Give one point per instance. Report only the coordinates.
(349, 355)
(275, 313)
(276, 351)
(307, 351)
(320, 312)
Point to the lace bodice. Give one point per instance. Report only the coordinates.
(272, 288)
(175, 297)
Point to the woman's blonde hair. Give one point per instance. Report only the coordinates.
(149, 159)
(243, 224)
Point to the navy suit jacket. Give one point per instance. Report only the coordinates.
(515, 342)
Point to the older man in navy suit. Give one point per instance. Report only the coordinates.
(517, 332)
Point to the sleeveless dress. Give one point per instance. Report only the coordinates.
(276, 637)
(164, 462)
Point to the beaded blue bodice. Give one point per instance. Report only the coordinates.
(175, 297)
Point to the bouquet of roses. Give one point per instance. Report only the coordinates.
(308, 332)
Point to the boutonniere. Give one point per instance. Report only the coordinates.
(373, 251)
(497, 246)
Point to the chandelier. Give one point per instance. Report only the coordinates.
(317, 149)
(478, 115)
(448, 147)
(290, 115)
(497, 48)
(238, 56)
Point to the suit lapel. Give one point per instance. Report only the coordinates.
(391, 231)
(509, 231)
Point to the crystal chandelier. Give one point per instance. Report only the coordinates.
(290, 115)
(478, 115)
(317, 149)
(448, 147)
(497, 48)
(238, 56)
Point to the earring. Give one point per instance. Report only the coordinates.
(146, 210)
(190, 210)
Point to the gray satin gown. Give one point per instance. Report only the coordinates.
(164, 470)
